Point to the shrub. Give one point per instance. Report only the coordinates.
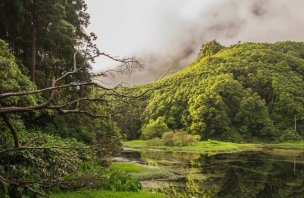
(179, 138)
(155, 128)
(167, 138)
(170, 138)
(60, 159)
(289, 135)
(120, 181)
(155, 142)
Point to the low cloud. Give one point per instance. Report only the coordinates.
(228, 21)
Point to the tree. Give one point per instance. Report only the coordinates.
(47, 88)
(210, 49)
(254, 119)
(18, 95)
(42, 34)
(244, 92)
(155, 128)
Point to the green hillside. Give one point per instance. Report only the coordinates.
(246, 92)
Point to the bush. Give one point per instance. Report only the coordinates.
(120, 181)
(59, 159)
(167, 138)
(155, 128)
(94, 176)
(170, 138)
(183, 139)
(179, 138)
(289, 135)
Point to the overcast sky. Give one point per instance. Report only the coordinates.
(167, 34)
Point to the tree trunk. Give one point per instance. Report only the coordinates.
(33, 52)
(12, 129)
(295, 122)
(34, 38)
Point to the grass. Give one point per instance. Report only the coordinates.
(106, 194)
(214, 146)
(141, 172)
(199, 147)
(128, 167)
(287, 145)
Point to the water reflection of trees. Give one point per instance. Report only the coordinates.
(244, 175)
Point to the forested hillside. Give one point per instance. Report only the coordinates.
(243, 93)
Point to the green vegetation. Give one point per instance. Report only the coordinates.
(58, 127)
(179, 138)
(128, 167)
(251, 92)
(155, 128)
(199, 147)
(240, 174)
(106, 194)
(140, 172)
(212, 146)
(54, 125)
(287, 146)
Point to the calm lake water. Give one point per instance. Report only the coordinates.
(265, 174)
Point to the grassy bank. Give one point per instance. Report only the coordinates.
(141, 172)
(199, 147)
(287, 145)
(214, 146)
(106, 194)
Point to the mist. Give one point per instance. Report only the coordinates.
(179, 32)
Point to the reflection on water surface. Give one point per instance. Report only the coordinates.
(244, 174)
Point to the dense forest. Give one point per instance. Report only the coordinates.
(55, 126)
(59, 125)
(250, 92)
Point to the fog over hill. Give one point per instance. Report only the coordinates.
(179, 29)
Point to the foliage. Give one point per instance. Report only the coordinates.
(289, 135)
(179, 138)
(155, 128)
(40, 149)
(120, 181)
(106, 194)
(141, 172)
(45, 31)
(50, 164)
(33, 156)
(210, 49)
(12, 79)
(249, 92)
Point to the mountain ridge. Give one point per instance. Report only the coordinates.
(244, 92)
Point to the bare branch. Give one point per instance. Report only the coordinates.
(23, 148)
(75, 69)
(23, 93)
(127, 65)
(36, 192)
(83, 112)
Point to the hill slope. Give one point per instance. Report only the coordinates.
(245, 92)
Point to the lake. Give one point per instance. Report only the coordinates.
(262, 173)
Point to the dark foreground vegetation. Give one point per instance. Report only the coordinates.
(59, 126)
(56, 131)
